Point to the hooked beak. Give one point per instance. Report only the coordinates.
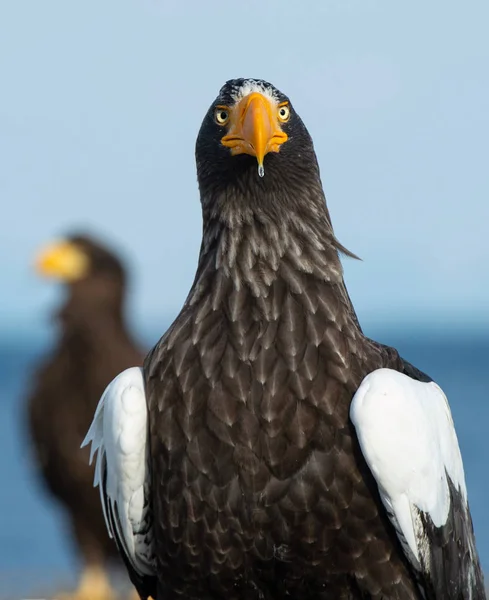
(254, 129)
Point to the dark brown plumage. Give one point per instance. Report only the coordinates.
(93, 346)
(260, 490)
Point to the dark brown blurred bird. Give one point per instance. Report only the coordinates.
(268, 449)
(93, 346)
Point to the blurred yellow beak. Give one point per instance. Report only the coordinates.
(64, 261)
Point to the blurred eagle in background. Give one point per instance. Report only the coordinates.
(93, 346)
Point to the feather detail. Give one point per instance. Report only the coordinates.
(119, 436)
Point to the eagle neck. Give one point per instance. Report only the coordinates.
(254, 249)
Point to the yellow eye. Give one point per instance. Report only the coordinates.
(284, 113)
(221, 115)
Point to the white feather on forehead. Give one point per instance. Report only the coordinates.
(254, 85)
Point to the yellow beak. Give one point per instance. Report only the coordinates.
(254, 128)
(64, 261)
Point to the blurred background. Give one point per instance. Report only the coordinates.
(100, 105)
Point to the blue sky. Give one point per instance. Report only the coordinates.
(101, 102)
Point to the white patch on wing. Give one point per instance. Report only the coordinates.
(119, 434)
(406, 434)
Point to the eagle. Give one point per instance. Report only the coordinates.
(267, 448)
(93, 346)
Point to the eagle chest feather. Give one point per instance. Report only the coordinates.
(251, 431)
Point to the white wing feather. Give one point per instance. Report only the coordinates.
(119, 433)
(406, 434)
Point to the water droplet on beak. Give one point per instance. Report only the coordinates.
(261, 170)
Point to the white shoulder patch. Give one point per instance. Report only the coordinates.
(119, 433)
(408, 439)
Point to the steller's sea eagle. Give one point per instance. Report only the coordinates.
(93, 346)
(267, 448)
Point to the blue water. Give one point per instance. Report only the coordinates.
(36, 555)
